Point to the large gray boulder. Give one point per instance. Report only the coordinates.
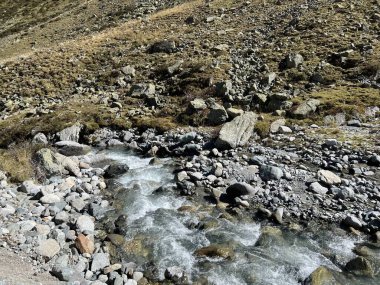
(53, 163)
(71, 133)
(306, 108)
(237, 132)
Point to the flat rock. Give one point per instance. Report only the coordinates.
(328, 178)
(48, 248)
(85, 223)
(99, 261)
(237, 132)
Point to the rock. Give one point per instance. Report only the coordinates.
(240, 189)
(233, 112)
(188, 137)
(318, 188)
(61, 217)
(328, 178)
(275, 126)
(175, 274)
(99, 261)
(374, 160)
(70, 134)
(354, 123)
(335, 120)
(285, 130)
(360, 267)
(85, 223)
(40, 139)
(217, 115)
(269, 78)
(331, 142)
(268, 172)
(29, 187)
(42, 229)
(48, 248)
(306, 108)
(142, 90)
(277, 215)
(181, 176)
(292, 60)
(344, 193)
(197, 105)
(115, 170)
(216, 250)
(352, 221)
(237, 132)
(65, 273)
(164, 46)
(137, 276)
(112, 268)
(270, 236)
(223, 89)
(56, 164)
(129, 71)
(84, 244)
(50, 199)
(322, 276)
(71, 148)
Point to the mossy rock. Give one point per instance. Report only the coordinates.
(216, 250)
(270, 236)
(323, 276)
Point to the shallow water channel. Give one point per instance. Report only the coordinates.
(170, 237)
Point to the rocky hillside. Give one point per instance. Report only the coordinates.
(269, 111)
(67, 64)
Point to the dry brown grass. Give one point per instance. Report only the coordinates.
(17, 161)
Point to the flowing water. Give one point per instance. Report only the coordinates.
(171, 238)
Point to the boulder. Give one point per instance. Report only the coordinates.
(306, 108)
(115, 170)
(71, 133)
(328, 178)
(268, 172)
(164, 46)
(142, 90)
(240, 189)
(292, 60)
(374, 160)
(84, 244)
(29, 187)
(70, 148)
(40, 139)
(318, 188)
(85, 223)
(99, 261)
(217, 115)
(360, 266)
(48, 248)
(270, 236)
(56, 164)
(196, 105)
(275, 126)
(216, 250)
(353, 221)
(237, 132)
(322, 276)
